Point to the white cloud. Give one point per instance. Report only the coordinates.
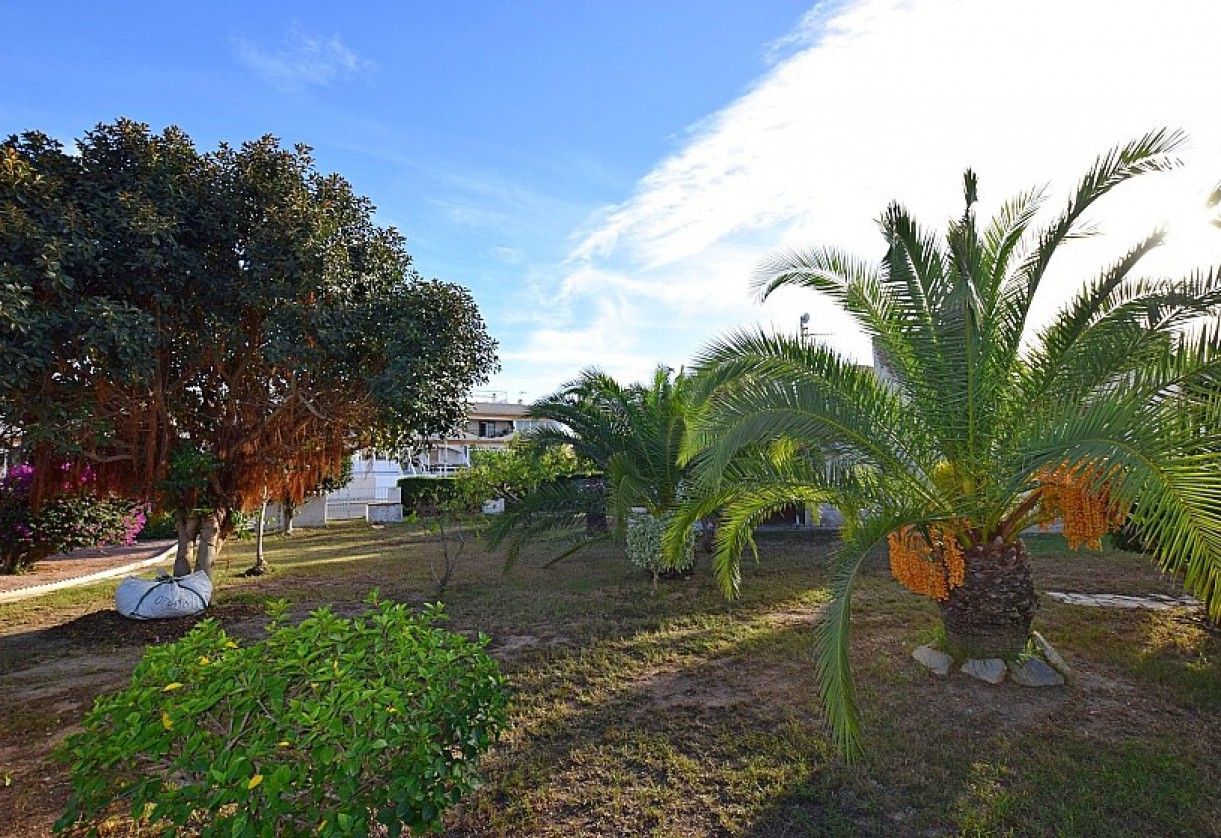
(597, 337)
(506, 254)
(892, 100)
(301, 60)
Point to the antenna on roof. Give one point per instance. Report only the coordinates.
(804, 331)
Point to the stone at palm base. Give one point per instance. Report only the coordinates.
(937, 662)
(1033, 672)
(991, 670)
(1050, 655)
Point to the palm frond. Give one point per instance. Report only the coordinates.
(1005, 235)
(850, 282)
(631, 433)
(557, 507)
(1161, 435)
(833, 635)
(762, 387)
(1100, 343)
(1152, 152)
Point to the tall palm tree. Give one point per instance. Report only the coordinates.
(979, 424)
(631, 434)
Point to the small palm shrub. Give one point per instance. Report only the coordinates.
(327, 727)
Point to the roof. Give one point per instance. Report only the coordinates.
(496, 410)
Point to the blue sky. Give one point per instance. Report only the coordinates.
(604, 175)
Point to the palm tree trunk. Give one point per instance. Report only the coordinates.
(595, 518)
(989, 615)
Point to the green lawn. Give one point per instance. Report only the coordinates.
(676, 713)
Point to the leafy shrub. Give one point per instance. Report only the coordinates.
(513, 472)
(326, 727)
(422, 494)
(160, 524)
(644, 532)
(76, 518)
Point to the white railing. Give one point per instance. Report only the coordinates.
(365, 495)
(347, 510)
(353, 504)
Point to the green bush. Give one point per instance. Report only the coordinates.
(76, 515)
(327, 727)
(160, 524)
(424, 494)
(512, 473)
(644, 532)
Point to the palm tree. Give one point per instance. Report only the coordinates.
(631, 434)
(978, 425)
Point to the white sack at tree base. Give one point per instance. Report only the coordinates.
(164, 597)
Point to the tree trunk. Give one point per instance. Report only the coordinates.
(989, 615)
(187, 526)
(595, 516)
(260, 560)
(211, 541)
(708, 533)
(286, 509)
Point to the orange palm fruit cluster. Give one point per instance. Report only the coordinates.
(931, 569)
(1087, 513)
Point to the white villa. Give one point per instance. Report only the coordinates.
(492, 422)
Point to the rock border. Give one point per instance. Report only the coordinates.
(1045, 669)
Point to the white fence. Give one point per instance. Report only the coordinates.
(347, 510)
(361, 495)
(380, 505)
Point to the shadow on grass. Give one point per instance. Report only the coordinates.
(629, 737)
(681, 714)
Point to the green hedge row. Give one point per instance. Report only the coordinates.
(421, 494)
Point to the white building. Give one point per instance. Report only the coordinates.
(490, 424)
(373, 494)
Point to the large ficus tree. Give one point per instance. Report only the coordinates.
(212, 327)
(978, 423)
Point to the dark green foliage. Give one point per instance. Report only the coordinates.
(185, 483)
(1128, 538)
(151, 293)
(421, 494)
(160, 525)
(327, 727)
